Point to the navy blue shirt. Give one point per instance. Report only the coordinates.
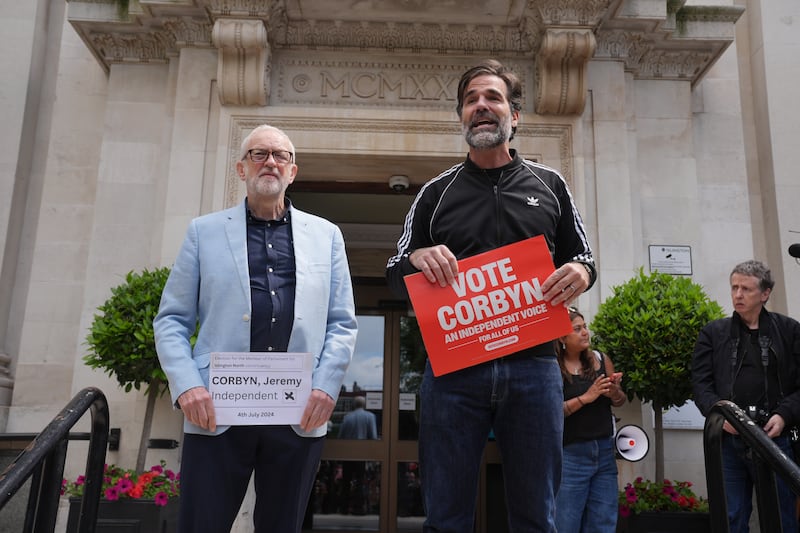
(270, 257)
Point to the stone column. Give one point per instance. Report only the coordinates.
(24, 28)
(774, 163)
(618, 228)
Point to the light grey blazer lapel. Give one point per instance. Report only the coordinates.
(236, 232)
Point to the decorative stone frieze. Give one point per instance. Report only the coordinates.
(586, 13)
(262, 9)
(406, 37)
(659, 39)
(144, 47)
(242, 66)
(188, 32)
(672, 65)
(622, 44)
(683, 44)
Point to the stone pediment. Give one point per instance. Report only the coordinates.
(656, 39)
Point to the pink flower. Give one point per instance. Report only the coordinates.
(644, 495)
(161, 498)
(112, 494)
(124, 485)
(158, 484)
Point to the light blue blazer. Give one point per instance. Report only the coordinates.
(210, 283)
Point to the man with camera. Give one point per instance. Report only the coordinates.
(753, 360)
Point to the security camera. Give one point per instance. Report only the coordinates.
(399, 183)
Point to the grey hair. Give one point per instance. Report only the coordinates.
(264, 127)
(758, 270)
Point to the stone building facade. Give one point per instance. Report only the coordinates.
(673, 121)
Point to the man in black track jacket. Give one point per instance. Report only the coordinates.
(492, 199)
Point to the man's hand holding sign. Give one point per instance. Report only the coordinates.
(564, 285)
(492, 304)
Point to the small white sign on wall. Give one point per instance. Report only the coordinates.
(671, 259)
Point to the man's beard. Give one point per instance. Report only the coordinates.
(489, 139)
(266, 186)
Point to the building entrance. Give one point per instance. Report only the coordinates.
(369, 476)
(371, 482)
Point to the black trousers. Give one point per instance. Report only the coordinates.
(215, 472)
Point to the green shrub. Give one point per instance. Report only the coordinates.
(649, 327)
(122, 343)
(121, 340)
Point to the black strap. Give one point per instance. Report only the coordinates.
(734, 354)
(764, 342)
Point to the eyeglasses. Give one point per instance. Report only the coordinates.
(260, 156)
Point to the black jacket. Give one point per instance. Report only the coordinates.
(464, 209)
(712, 371)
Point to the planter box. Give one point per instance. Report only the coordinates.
(128, 516)
(665, 522)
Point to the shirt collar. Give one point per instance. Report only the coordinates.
(285, 219)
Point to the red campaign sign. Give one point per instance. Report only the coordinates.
(493, 308)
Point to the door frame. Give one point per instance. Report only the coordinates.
(389, 450)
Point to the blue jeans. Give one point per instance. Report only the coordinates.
(520, 398)
(587, 498)
(739, 473)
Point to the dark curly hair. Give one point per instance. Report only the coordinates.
(588, 369)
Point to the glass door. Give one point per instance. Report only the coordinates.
(369, 477)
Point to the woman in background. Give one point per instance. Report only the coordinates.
(587, 499)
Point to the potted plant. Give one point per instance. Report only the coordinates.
(147, 499)
(122, 343)
(649, 326)
(646, 506)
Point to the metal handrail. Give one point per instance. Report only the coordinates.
(768, 459)
(43, 461)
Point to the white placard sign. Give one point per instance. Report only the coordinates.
(259, 388)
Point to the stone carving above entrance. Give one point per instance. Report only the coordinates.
(656, 39)
(328, 78)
